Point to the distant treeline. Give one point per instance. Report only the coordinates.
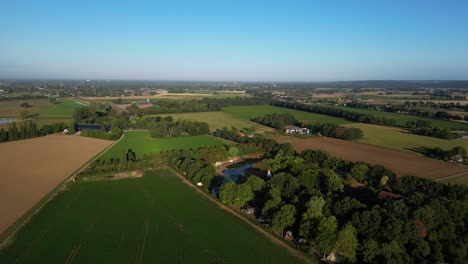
(22, 97)
(331, 111)
(424, 128)
(203, 105)
(409, 108)
(29, 129)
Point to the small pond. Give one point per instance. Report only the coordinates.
(234, 174)
(7, 121)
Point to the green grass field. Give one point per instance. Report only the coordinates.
(64, 109)
(394, 139)
(218, 120)
(141, 143)
(153, 219)
(403, 118)
(249, 112)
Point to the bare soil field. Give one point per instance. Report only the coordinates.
(31, 168)
(400, 162)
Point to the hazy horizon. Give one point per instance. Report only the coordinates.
(265, 41)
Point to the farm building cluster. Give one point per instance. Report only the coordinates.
(297, 130)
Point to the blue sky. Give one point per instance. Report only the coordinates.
(234, 40)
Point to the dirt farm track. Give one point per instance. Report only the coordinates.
(31, 168)
(401, 163)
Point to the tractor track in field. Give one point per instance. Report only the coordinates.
(182, 229)
(80, 242)
(45, 230)
(141, 246)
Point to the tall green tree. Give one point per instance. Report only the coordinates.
(284, 217)
(347, 243)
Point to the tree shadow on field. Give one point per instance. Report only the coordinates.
(421, 150)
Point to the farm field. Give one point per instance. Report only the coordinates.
(31, 168)
(400, 162)
(168, 96)
(218, 120)
(403, 118)
(64, 109)
(249, 112)
(394, 138)
(46, 111)
(141, 143)
(153, 219)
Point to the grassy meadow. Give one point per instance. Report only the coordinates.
(218, 120)
(249, 112)
(393, 138)
(153, 219)
(141, 143)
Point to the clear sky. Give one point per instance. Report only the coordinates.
(235, 40)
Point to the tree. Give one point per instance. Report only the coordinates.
(24, 114)
(394, 253)
(233, 151)
(235, 195)
(359, 171)
(332, 182)
(274, 200)
(326, 235)
(284, 217)
(25, 105)
(314, 208)
(256, 183)
(227, 193)
(347, 243)
(369, 250)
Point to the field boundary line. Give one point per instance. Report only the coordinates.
(11, 231)
(274, 239)
(451, 176)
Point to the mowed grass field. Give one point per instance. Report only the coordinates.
(141, 143)
(394, 138)
(153, 219)
(218, 120)
(249, 112)
(403, 118)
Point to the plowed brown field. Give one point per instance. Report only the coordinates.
(31, 168)
(401, 163)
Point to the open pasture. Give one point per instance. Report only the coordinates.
(153, 219)
(394, 138)
(218, 120)
(400, 162)
(249, 112)
(141, 143)
(31, 168)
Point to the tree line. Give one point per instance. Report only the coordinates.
(203, 105)
(29, 129)
(336, 131)
(337, 112)
(411, 109)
